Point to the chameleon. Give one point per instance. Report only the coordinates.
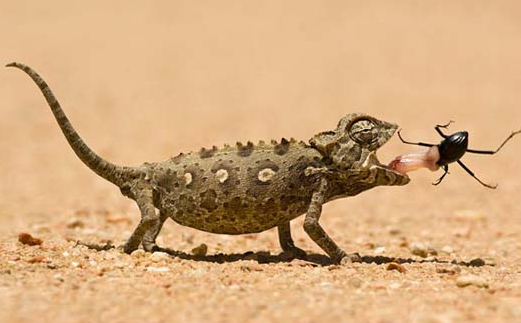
(246, 188)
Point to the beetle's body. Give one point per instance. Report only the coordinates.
(453, 147)
(448, 151)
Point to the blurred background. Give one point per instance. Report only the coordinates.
(142, 81)
(145, 80)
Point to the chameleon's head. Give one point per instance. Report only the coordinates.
(353, 144)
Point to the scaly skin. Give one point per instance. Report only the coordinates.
(247, 188)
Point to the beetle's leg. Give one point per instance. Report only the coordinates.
(446, 171)
(444, 126)
(413, 143)
(472, 174)
(315, 231)
(286, 242)
(492, 152)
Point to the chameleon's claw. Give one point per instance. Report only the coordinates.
(151, 247)
(350, 258)
(128, 248)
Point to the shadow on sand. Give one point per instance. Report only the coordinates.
(264, 257)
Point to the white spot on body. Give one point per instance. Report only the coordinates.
(222, 175)
(188, 178)
(266, 174)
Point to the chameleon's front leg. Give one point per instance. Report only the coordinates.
(149, 218)
(315, 231)
(286, 242)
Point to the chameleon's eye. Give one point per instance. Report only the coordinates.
(362, 132)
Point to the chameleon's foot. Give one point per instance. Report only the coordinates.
(349, 258)
(128, 248)
(151, 246)
(294, 253)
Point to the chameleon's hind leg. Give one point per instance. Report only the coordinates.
(149, 240)
(286, 242)
(149, 218)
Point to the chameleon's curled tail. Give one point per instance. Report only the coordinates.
(111, 172)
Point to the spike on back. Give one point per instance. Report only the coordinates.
(207, 153)
(282, 148)
(245, 151)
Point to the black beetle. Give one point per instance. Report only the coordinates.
(453, 147)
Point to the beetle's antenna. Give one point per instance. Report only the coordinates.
(413, 143)
(444, 126)
(446, 169)
(472, 174)
(492, 152)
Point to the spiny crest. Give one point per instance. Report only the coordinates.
(245, 151)
(207, 153)
(282, 147)
(177, 159)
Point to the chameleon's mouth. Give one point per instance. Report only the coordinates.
(372, 162)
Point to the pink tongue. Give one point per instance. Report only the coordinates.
(425, 159)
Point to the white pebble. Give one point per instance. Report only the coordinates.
(467, 280)
(158, 269)
(379, 250)
(138, 253)
(159, 256)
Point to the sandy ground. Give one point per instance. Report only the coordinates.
(142, 81)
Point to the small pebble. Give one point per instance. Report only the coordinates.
(251, 267)
(28, 239)
(159, 256)
(355, 282)
(200, 250)
(447, 249)
(138, 253)
(379, 250)
(36, 259)
(404, 243)
(117, 219)
(396, 266)
(394, 231)
(395, 285)
(75, 223)
(419, 249)
(158, 269)
(467, 280)
(477, 262)
(453, 270)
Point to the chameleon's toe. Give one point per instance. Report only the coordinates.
(151, 247)
(128, 248)
(350, 258)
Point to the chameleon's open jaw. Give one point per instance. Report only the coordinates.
(372, 162)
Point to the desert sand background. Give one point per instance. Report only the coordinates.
(142, 81)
